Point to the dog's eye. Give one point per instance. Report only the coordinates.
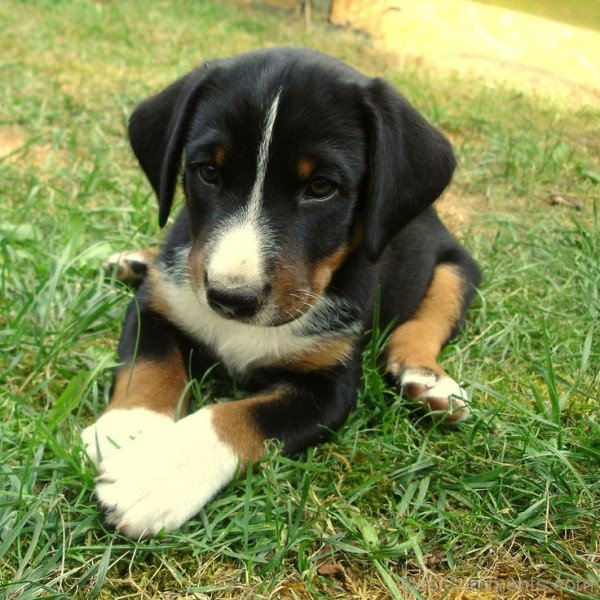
(209, 173)
(319, 189)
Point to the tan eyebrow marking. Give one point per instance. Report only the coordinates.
(306, 166)
(324, 270)
(219, 156)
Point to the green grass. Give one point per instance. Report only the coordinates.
(394, 503)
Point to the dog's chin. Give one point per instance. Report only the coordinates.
(272, 321)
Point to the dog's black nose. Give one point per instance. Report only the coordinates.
(232, 303)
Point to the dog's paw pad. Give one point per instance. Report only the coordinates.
(441, 396)
(128, 267)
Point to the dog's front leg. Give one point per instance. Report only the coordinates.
(161, 481)
(149, 390)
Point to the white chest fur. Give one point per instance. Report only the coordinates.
(240, 346)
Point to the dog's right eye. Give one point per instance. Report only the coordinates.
(209, 174)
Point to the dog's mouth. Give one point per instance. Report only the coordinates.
(248, 311)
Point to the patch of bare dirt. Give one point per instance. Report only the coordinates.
(11, 140)
(458, 211)
(532, 53)
(16, 146)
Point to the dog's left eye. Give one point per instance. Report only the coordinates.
(319, 189)
(209, 174)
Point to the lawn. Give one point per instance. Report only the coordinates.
(393, 506)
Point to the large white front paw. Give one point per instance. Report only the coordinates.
(117, 428)
(160, 481)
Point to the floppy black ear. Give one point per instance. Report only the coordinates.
(157, 131)
(410, 164)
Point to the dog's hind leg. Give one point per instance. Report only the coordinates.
(414, 346)
(131, 266)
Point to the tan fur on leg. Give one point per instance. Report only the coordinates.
(156, 385)
(418, 342)
(414, 346)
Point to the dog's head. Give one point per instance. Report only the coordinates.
(292, 161)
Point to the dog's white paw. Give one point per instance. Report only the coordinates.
(442, 396)
(117, 428)
(162, 480)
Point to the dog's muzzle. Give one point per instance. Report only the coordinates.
(236, 302)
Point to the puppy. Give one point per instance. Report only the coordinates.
(308, 189)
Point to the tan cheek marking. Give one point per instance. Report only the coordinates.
(418, 341)
(296, 288)
(153, 384)
(196, 265)
(219, 156)
(324, 270)
(306, 166)
(290, 288)
(235, 426)
(325, 356)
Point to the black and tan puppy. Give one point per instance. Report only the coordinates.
(307, 188)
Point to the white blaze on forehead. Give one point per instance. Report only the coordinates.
(255, 199)
(238, 253)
